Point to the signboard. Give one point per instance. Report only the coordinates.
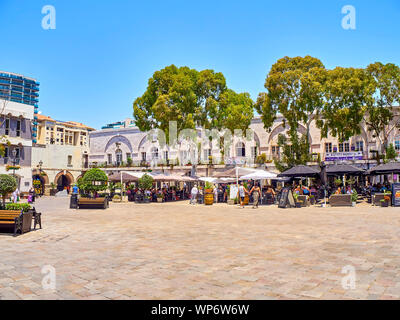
(340, 156)
(233, 191)
(287, 199)
(396, 194)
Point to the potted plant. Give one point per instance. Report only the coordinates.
(53, 189)
(116, 198)
(338, 182)
(296, 200)
(386, 199)
(160, 197)
(208, 194)
(354, 198)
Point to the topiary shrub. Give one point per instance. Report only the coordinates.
(94, 180)
(7, 185)
(146, 182)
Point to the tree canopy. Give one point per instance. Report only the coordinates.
(380, 111)
(7, 185)
(94, 180)
(191, 98)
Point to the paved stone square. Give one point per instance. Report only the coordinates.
(178, 251)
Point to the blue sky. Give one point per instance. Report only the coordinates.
(102, 53)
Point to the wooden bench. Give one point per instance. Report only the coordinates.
(340, 200)
(93, 203)
(12, 219)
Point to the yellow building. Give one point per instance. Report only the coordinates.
(61, 153)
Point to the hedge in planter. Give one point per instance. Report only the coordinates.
(18, 206)
(7, 185)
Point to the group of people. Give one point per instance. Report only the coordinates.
(253, 191)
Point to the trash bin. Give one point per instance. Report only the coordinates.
(73, 203)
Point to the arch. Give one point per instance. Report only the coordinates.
(120, 139)
(280, 128)
(43, 175)
(63, 179)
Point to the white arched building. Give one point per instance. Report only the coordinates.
(133, 148)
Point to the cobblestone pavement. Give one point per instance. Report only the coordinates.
(178, 251)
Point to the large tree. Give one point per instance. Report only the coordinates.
(191, 98)
(346, 92)
(294, 90)
(381, 116)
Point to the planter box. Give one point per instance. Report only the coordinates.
(231, 202)
(159, 200)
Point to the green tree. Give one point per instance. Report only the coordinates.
(293, 151)
(294, 90)
(346, 91)
(391, 153)
(95, 180)
(190, 98)
(7, 185)
(146, 182)
(381, 116)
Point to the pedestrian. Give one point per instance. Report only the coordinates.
(15, 195)
(256, 192)
(242, 193)
(193, 197)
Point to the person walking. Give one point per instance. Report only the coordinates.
(193, 197)
(242, 193)
(256, 192)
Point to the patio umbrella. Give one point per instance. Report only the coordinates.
(259, 175)
(386, 168)
(341, 169)
(126, 177)
(300, 171)
(231, 173)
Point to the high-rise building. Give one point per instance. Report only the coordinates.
(19, 97)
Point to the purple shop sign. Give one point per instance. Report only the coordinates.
(340, 156)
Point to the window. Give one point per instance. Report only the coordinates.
(109, 158)
(207, 154)
(344, 147)
(143, 156)
(118, 156)
(6, 150)
(128, 156)
(397, 144)
(7, 126)
(240, 150)
(328, 147)
(275, 150)
(69, 160)
(166, 155)
(154, 153)
(254, 152)
(360, 146)
(18, 131)
(17, 153)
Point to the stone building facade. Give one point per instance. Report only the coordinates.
(114, 147)
(61, 153)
